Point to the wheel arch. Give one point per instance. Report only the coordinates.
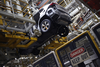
(44, 17)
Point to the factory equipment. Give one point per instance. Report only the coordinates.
(96, 32)
(18, 32)
(82, 50)
(49, 60)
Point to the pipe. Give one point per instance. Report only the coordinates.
(74, 12)
(73, 1)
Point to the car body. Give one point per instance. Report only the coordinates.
(51, 20)
(52, 16)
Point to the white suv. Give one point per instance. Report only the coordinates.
(52, 19)
(53, 16)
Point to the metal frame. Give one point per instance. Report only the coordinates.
(52, 52)
(15, 38)
(56, 43)
(18, 18)
(92, 38)
(9, 19)
(95, 34)
(91, 8)
(9, 11)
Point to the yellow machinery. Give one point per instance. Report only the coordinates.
(56, 43)
(12, 40)
(16, 21)
(81, 49)
(13, 24)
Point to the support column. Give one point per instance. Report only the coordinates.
(19, 8)
(8, 5)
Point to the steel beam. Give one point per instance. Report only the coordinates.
(16, 29)
(17, 17)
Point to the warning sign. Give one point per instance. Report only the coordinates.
(77, 52)
(78, 55)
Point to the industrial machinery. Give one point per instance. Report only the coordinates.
(22, 44)
(15, 28)
(93, 5)
(81, 50)
(49, 60)
(96, 32)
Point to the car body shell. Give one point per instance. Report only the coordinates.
(57, 14)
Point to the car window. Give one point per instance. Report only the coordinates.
(41, 10)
